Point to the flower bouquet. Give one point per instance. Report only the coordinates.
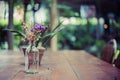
(37, 35)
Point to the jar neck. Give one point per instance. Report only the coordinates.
(32, 48)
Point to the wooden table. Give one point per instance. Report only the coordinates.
(60, 65)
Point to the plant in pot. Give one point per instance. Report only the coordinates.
(37, 35)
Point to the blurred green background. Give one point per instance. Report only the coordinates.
(87, 25)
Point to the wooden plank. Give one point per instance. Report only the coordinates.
(53, 67)
(59, 65)
(10, 63)
(88, 67)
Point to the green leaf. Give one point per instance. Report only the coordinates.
(57, 26)
(47, 35)
(51, 36)
(15, 31)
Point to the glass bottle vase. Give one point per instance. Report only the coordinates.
(31, 60)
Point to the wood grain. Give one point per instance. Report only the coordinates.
(59, 65)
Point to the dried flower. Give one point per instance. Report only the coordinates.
(37, 33)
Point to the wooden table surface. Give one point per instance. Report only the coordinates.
(59, 65)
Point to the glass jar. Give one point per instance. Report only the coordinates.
(31, 59)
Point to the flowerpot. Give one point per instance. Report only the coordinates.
(24, 50)
(33, 58)
(41, 52)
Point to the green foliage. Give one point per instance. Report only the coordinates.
(117, 24)
(3, 22)
(65, 7)
(93, 21)
(100, 44)
(41, 38)
(51, 34)
(78, 37)
(18, 2)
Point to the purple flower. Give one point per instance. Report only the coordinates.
(36, 26)
(42, 28)
(39, 27)
(27, 40)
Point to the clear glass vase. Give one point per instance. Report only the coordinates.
(31, 59)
